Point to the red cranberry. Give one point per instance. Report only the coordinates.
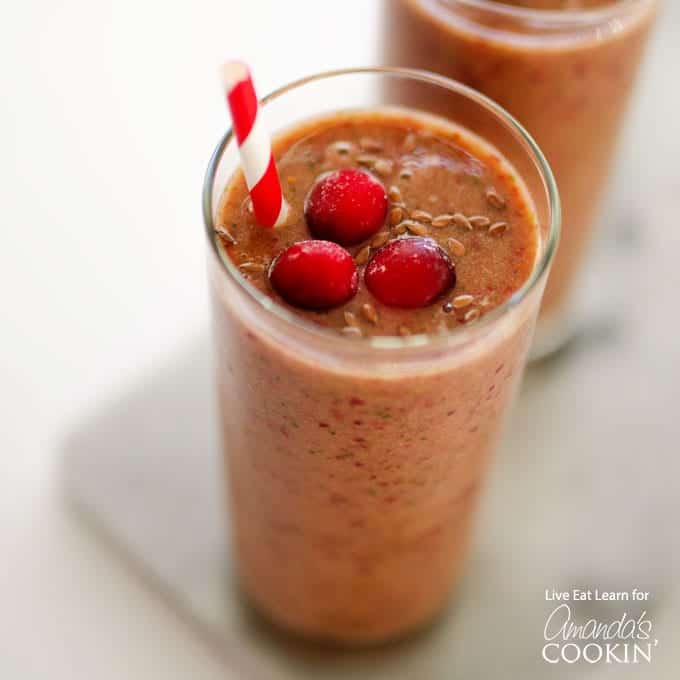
(409, 273)
(314, 275)
(347, 206)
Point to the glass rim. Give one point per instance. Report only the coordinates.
(567, 18)
(431, 340)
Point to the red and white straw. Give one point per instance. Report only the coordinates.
(254, 146)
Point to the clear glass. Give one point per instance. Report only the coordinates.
(566, 75)
(354, 465)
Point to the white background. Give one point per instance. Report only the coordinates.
(108, 114)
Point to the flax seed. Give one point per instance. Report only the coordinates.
(456, 247)
(368, 310)
(415, 228)
(394, 194)
(362, 256)
(498, 228)
(462, 301)
(410, 142)
(421, 216)
(406, 173)
(225, 234)
(383, 167)
(352, 331)
(460, 220)
(341, 148)
(350, 319)
(494, 199)
(480, 221)
(396, 215)
(442, 221)
(471, 315)
(366, 159)
(380, 239)
(252, 267)
(369, 144)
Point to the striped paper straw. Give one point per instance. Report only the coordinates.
(254, 145)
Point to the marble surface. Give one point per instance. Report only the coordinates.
(584, 494)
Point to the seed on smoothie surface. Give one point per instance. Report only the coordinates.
(226, 235)
(383, 167)
(370, 144)
(362, 256)
(494, 199)
(471, 315)
(394, 194)
(366, 159)
(462, 301)
(368, 310)
(410, 142)
(479, 221)
(406, 174)
(421, 216)
(396, 215)
(456, 247)
(350, 318)
(380, 239)
(498, 228)
(415, 228)
(252, 267)
(460, 220)
(341, 147)
(447, 307)
(442, 220)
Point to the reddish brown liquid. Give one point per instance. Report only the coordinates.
(353, 485)
(429, 171)
(569, 89)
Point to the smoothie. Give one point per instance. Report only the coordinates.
(438, 183)
(565, 74)
(369, 349)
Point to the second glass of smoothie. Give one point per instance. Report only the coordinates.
(565, 69)
(356, 438)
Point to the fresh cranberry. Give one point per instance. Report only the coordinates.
(314, 275)
(347, 206)
(409, 273)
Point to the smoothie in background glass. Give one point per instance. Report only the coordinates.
(564, 68)
(356, 437)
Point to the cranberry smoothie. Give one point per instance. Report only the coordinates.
(353, 489)
(566, 75)
(439, 183)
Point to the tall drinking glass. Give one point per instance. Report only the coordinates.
(565, 74)
(326, 547)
